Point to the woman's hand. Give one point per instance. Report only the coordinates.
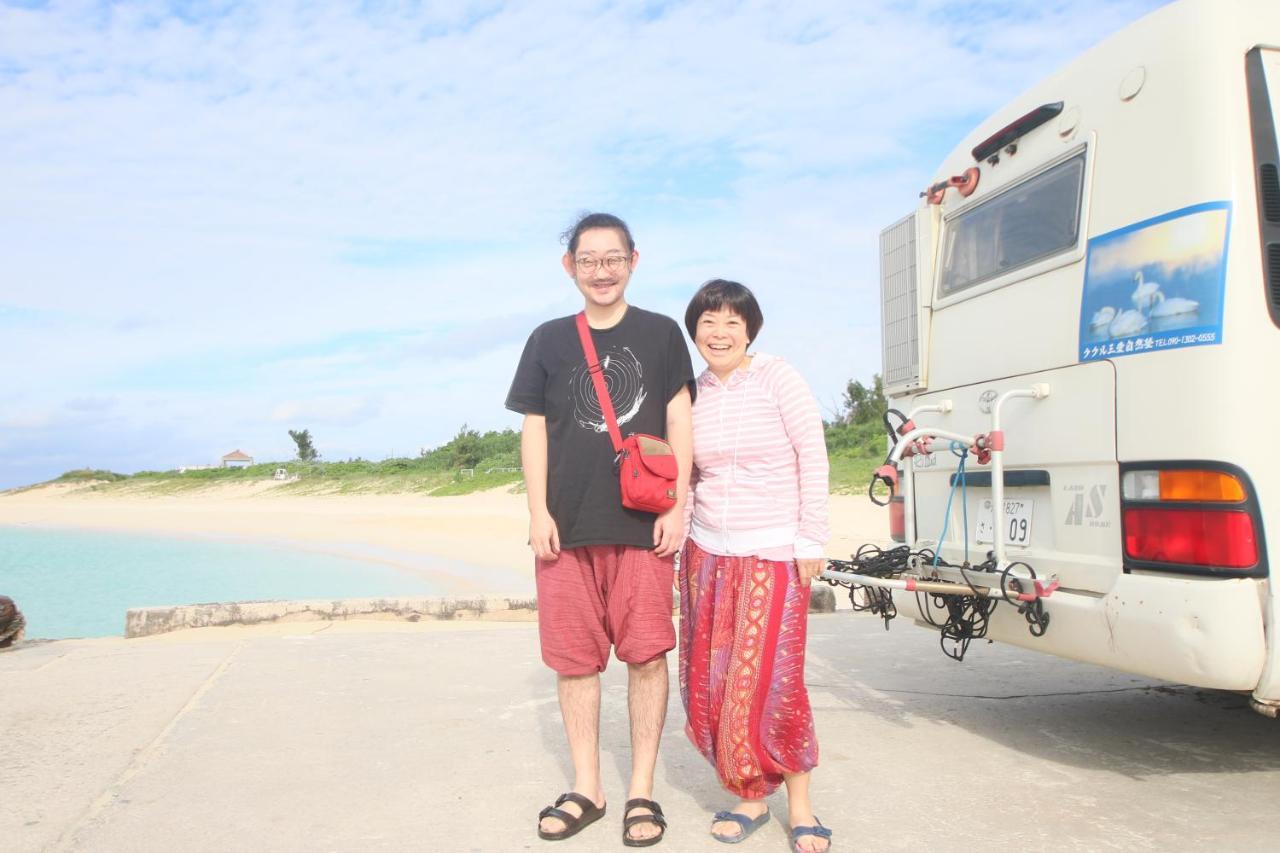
(810, 569)
(544, 537)
(668, 531)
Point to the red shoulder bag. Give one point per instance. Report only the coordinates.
(646, 464)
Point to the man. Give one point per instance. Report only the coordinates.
(604, 573)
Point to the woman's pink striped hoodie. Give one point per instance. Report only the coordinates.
(760, 464)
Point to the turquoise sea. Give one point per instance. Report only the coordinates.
(71, 583)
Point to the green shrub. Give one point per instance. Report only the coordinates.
(82, 475)
(471, 449)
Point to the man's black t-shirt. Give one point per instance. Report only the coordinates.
(645, 364)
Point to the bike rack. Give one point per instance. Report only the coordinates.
(1010, 586)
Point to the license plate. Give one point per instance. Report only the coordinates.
(1017, 522)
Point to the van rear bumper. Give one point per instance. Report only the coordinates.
(1202, 632)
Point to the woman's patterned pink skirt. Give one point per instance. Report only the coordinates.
(742, 642)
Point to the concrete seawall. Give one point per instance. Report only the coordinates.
(146, 621)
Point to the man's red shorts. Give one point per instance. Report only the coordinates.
(600, 595)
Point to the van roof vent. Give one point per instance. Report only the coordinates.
(1273, 277)
(1270, 192)
(898, 301)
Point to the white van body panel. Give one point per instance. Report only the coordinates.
(1209, 634)
(1083, 556)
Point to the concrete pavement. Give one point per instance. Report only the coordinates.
(383, 736)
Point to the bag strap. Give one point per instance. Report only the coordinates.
(597, 377)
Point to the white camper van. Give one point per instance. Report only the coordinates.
(1100, 263)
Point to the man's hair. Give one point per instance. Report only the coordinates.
(596, 220)
(719, 293)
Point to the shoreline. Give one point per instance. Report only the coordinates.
(474, 544)
(457, 577)
(484, 530)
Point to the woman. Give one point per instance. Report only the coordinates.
(758, 523)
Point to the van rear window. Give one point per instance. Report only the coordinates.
(1021, 225)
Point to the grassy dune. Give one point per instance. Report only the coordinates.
(470, 462)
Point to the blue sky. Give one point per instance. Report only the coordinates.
(220, 221)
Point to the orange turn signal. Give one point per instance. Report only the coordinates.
(1211, 486)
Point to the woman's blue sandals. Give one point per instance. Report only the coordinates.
(746, 825)
(818, 831)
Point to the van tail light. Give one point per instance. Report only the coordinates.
(1191, 537)
(1190, 517)
(1183, 485)
(897, 519)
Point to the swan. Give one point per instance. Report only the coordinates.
(1127, 323)
(1170, 306)
(1102, 317)
(1146, 294)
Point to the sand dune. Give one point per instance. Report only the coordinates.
(486, 530)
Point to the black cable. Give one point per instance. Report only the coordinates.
(1033, 610)
(890, 428)
(959, 619)
(888, 459)
(874, 562)
(871, 487)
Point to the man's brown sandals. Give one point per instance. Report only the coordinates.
(629, 820)
(573, 824)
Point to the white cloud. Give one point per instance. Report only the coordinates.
(201, 209)
(345, 411)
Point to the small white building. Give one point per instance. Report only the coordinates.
(237, 459)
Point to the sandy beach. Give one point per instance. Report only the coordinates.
(486, 530)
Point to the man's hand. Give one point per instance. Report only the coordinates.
(809, 569)
(668, 531)
(544, 538)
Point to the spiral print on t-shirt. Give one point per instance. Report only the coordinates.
(623, 376)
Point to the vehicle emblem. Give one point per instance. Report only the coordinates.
(987, 399)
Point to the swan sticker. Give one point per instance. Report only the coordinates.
(1156, 285)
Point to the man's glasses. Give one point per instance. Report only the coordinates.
(588, 265)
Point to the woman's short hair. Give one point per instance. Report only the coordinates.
(720, 293)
